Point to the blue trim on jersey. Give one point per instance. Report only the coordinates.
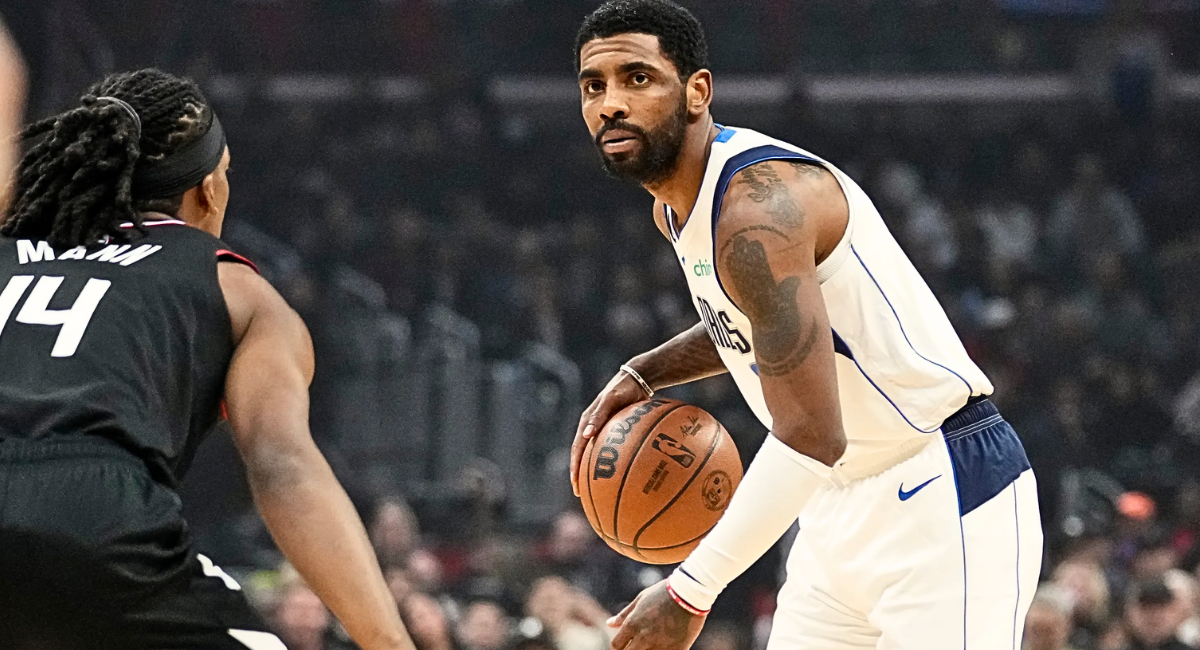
(970, 391)
(840, 347)
(724, 136)
(670, 216)
(897, 408)
(732, 167)
(1017, 605)
(962, 536)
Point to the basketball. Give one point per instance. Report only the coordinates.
(657, 477)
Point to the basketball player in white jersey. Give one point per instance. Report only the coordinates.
(919, 524)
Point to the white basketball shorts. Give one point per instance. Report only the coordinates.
(940, 552)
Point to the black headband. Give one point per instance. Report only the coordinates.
(183, 169)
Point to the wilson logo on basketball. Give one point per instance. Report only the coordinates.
(717, 490)
(673, 450)
(606, 458)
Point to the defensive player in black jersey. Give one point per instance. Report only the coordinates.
(124, 323)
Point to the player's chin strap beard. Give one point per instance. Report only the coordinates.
(182, 170)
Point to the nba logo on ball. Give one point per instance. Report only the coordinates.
(659, 480)
(717, 490)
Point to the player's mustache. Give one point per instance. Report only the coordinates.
(621, 125)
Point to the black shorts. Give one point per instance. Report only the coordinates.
(94, 554)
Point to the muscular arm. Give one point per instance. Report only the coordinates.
(767, 241)
(304, 506)
(690, 356)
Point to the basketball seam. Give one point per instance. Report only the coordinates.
(592, 493)
(629, 467)
(636, 549)
(711, 450)
(667, 548)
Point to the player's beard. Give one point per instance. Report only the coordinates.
(658, 156)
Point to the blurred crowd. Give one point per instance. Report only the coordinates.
(1063, 244)
(476, 37)
(1061, 239)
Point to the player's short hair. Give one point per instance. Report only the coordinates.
(680, 35)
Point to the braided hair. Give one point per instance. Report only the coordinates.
(74, 186)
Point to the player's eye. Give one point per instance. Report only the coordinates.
(593, 87)
(641, 79)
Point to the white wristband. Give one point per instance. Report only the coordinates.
(776, 488)
(633, 374)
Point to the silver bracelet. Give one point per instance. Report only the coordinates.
(638, 378)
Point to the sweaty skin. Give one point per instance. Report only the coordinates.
(778, 221)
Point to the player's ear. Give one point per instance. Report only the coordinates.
(699, 92)
(207, 196)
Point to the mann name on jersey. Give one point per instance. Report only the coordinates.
(29, 251)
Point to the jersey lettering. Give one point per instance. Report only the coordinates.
(741, 345)
(77, 253)
(720, 328)
(29, 252)
(74, 321)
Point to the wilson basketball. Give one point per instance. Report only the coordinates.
(657, 477)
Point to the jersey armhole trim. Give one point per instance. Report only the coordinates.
(224, 255)
(732, 167)
(900, 324)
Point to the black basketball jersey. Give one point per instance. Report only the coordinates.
(127, 341)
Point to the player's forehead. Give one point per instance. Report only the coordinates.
(611, 53)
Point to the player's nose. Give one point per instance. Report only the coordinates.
(614, 107)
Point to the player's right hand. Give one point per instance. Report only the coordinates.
(620, 392)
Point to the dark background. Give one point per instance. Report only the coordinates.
(414, 176)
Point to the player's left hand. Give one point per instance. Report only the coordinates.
(654, 622)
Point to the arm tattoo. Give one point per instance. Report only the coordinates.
(763, 228)
(780, 340)
(812, 170)
(766, 187)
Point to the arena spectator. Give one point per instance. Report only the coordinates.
(426, 622)
(301, 618)
(394, 532)
(570, 617)
(1048, 625)
(1153, 616)
(484, 626)
(1087, 587)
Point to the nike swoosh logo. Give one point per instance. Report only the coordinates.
(905, 496)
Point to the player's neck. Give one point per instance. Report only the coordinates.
(680, 190)
(201, 219)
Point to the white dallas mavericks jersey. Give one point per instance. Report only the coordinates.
(901, 368)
